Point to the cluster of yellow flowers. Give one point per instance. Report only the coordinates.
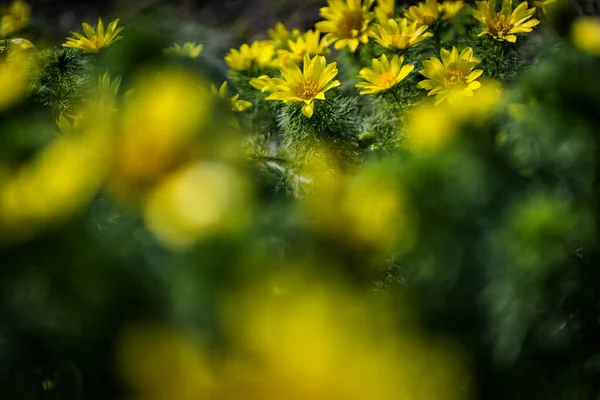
(347, 24)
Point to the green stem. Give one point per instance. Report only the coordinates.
(395, 95)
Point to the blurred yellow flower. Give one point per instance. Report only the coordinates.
(13, 77)
(194, 202)
(399, 34)
(322, 343)
(265, 83)
(426, 13)
(451, 8)
(545, 5)
(15, 18)
(507, 23)
(384, 10)
(95, 39)
(69, 125)
(18, 45)
(309, 43)
(585, 34)
(281, 35)
(430, 127)
(189, 49)
(59, 181)
(304, 86)
(430, 11)
(384, 74)
(157, 128)
(235, 104)
(346, 22)
(259, 53)
(453, 77)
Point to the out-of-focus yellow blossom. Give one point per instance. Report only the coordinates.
(13, 78)
(430, 11)
(18, 45)
(162, 363)
(259, 53)
(189, 49)
(15, 18)
(585, 34)
(304, 86)
(194, 202)
(331, 343)
(507, 23)
(157, 128)
(60, 181)
(95, 38)
(309, 43)
(399, 34)
(235, 104)
(107, 92)
(426, 13)
(281, 35)
(453, 77)
(346, 22)
(431, 127)
(544, 5)
(265, 83)
(69, 125)
(450, 9)
(383, 75)
(384, 10)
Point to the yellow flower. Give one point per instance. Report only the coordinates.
(453, 76)
(347, 22)
(385, 10)
(95, 39)
(235, 104)
(430, 11)
(189, 49)
(424, 13)
(384, 74)
(309, 43)
(504, 25)
(307, 85)
(450, 8)
(544, 5)
(399, 34)
(15, 19)
(13, 77)
(585, 34)
(259, 53)
(265, 83)
(280, 35)
(18, 45)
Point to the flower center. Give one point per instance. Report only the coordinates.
(386, 80)
(351, 24)
(453, 78)
(307, 90)
(499, 26)
(400, 41)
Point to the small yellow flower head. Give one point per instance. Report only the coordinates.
(69, 125)
(449, 9)
(346, 22)
(304, 86)
(384, 10)
(453, 77)
(585, 35)
(189, 49)
(384, 74)
(281, 35)
(426, 13)
(399, 34)
(265, 83)
(107, 92)
(309, 43)
(259, 53)
(19, 45)
(504, 25)
(15, 19)
(235, 104)
(95, 39)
